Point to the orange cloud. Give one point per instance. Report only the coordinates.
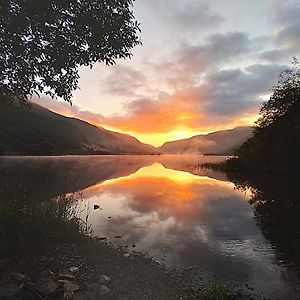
(162, 115)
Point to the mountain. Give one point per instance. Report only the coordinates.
(220, 142)
(39, 131)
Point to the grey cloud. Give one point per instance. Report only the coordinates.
(191, 61)
(231, 92)
(289, 37)
(186, 16)
(194, 15)
(124, 81)
(285, 15)
(219, 48)
(274, 55)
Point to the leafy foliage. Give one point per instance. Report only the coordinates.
(275, 144)
(42, 43)
(285, 100)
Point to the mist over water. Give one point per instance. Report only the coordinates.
(167, 206)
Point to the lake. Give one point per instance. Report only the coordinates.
(170, 207)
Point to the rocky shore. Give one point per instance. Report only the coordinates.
(90, 269)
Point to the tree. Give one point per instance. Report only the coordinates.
(43, 42)
(285, 99)
(275, 144)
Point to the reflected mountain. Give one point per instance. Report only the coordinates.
(43, 178)
(192, 164)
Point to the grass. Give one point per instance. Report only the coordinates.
(32, 229)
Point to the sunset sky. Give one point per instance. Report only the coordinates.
(203, 66)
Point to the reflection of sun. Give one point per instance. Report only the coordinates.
(156, 172)
(158, 189)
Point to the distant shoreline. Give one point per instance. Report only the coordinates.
(74, 155)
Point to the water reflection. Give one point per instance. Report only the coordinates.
(175, 210)
(276, 205)
(187, 220)
(47, 177)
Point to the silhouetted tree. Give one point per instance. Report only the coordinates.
(275, 145)
(42, 43)
(285, 99)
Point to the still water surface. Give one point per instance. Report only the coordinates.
(169, 207)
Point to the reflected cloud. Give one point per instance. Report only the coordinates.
(184, 219)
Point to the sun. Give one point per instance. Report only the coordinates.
(180, 134)
(158, 139)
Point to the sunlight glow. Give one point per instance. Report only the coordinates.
(158, 139)
(157, 172)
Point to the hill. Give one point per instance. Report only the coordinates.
(220, 142)
(39, 131)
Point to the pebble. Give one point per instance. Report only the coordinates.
(104, 279)
(69, 286)
(118, 236)
(96, 206)
(74, 269)
(104, 290)
(66, 275)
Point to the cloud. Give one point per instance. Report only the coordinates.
(285, 17)
(125, 81)
(159, 115)
(188, 16)
(218, 49)
(274, 55)
(289, 38)
(231, 92)
(223, 97)
(194, 16)
(201, 85)
(202, 91)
